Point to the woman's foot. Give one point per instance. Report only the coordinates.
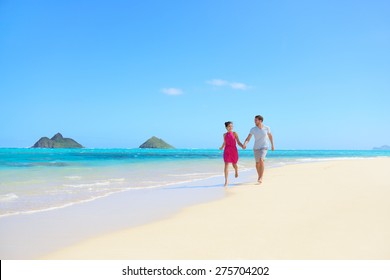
(236, 174)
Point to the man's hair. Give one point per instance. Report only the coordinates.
(260, 118)
(227, 124)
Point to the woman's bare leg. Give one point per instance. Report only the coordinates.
(226, 173)
(235, 169)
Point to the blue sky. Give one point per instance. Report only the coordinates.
(114, 73)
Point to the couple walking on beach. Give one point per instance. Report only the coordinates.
(261, 133)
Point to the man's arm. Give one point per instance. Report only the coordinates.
(247, 141)
(272, 141)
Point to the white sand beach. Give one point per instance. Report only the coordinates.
(323, 210)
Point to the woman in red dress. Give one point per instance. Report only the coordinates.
(230, 153)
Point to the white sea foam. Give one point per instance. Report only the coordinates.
(190, 174)
(8, 197)
(73, 177)
(27, 212)
(99, 183)
(117, 180)
(156, 185)
(327, 159)
(53, 207)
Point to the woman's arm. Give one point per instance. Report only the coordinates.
(238, 140)
(223, 144)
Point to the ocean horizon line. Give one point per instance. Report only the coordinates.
(137, 148)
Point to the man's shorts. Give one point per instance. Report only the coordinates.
(260, 154)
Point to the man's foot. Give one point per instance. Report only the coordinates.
(226, 184)
(260, 180)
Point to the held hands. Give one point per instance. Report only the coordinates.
(244, 147)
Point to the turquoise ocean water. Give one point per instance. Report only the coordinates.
(33, 180)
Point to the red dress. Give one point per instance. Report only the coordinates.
(230, 153)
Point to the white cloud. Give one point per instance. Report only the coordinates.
(218, 82)
(172, 91)
(233, 85)
(241, 86)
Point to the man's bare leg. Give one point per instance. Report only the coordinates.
(260, 170)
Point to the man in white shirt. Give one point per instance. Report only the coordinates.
(262, 134)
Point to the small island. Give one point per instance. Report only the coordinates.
(57, 141)
(384, 147)
(156, 143)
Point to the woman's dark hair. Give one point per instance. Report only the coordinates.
(260, 118)
(227, 124)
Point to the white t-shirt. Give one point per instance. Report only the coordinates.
(261, 137)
